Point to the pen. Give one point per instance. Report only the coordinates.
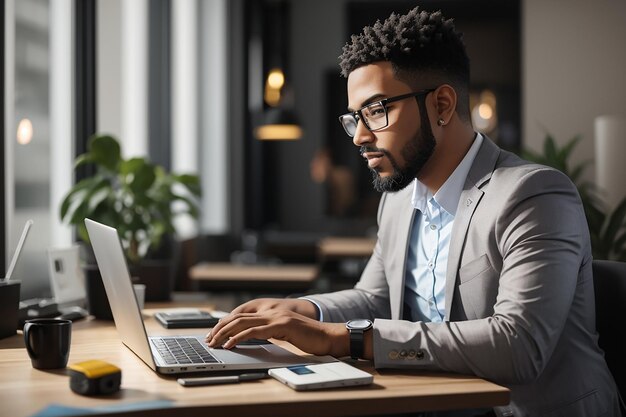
(212, 380)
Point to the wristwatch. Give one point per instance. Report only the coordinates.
(357, 327)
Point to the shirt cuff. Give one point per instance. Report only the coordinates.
(320, 315)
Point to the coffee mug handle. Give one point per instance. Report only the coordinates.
(26, 331)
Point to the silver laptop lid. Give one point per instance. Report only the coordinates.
(117, 283)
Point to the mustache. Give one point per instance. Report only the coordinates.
(365, 149)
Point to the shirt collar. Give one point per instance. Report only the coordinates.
(449, 194)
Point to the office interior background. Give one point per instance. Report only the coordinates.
(187, 83)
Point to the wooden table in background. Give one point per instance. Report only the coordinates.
(24, 390)
(345, 247)
(266, 277)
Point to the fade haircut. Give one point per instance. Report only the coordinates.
(422, 47)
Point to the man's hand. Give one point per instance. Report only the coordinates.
(304, 307)
(270, 321)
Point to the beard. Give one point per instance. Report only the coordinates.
(416, 153)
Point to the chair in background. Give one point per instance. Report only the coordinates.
(609, 279)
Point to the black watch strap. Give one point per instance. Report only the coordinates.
(356, 344)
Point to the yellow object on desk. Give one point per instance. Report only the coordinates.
(95, 377)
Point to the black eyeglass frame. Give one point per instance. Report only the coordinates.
(358, 115)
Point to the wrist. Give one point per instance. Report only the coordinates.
(305, 308)
(339, 339)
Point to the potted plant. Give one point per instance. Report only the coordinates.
(138, 198)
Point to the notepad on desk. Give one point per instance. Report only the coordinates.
(185, 318)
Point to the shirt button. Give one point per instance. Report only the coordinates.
(433, 227)
(431, 303)
(430, 265)
(393, 354)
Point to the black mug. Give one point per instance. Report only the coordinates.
(48, 342)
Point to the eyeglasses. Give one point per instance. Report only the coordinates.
(374, 115)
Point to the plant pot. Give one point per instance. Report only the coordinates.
(158, 277)
(97, 301)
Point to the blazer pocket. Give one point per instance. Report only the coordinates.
(474, 268)
(478, 288)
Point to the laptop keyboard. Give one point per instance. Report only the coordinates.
(182, 350)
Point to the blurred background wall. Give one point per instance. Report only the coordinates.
(573, 70)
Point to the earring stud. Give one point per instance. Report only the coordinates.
(441, 122)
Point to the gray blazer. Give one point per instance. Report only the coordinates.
(519, 291)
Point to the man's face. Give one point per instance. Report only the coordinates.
(397, 153)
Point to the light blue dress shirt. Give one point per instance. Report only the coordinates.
(427, 258)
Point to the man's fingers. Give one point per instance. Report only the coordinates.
(224, 322)
(238, 324)
(260, 332)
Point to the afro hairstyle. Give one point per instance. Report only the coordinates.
(419, 45)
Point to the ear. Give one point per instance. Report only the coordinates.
(445, 99)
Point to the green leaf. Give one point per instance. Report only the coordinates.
(89, 201)
(80, 190)
(143, 175)
(191, 183)
(620, 244)
(566, 150)
(550, 152)
(190, 205)
(67, 202)
(105, 151)
(131, 166)
(83, 159)
(187, 179)
(99, 197)
(80, 213)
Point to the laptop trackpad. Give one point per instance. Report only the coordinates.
(266, 353)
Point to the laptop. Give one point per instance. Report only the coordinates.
(170, 354)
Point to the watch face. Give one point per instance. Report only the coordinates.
(359, 324)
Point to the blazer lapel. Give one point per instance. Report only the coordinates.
(479, 173)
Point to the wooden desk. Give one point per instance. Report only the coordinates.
(24, 390)
(290, 277)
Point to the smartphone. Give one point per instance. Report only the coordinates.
(322, 375)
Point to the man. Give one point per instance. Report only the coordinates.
(483, 261)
